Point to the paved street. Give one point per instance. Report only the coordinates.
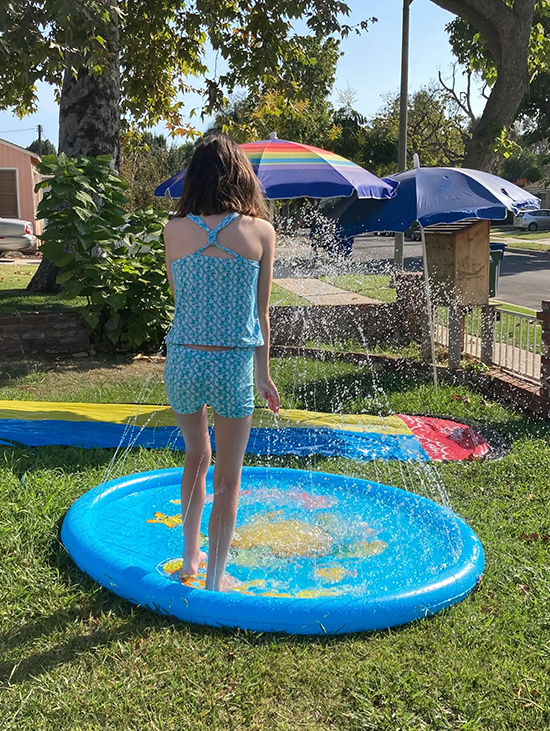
(524, 277)
(380, 248)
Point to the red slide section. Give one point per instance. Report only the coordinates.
(442, 439)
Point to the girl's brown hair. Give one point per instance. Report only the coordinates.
(220, 179)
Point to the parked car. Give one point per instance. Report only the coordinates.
(17, 235)
(533, 219)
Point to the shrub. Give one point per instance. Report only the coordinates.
(114, 259)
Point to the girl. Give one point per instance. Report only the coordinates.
(219, 260)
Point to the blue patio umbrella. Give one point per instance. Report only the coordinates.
(289, 170)
(436, 195)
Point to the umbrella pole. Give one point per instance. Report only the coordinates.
(428, 305)
(271, 210)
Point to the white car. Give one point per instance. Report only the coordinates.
(17, 235)
(533, 219)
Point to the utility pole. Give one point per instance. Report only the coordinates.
(40, 140)
(399, 247)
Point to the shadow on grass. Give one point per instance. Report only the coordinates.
(16, 367)
(24, 460)
(96, 605)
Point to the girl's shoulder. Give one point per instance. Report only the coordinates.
(176, 223)
(260, 226)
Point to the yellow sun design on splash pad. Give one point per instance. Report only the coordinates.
(268, 540)
(285, 538)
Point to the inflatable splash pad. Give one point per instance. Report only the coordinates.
(352, 436)
(312, 553)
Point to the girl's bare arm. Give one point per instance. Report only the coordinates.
(264, 384)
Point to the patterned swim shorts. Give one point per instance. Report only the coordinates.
(222, 379)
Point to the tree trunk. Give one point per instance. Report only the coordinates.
(89, 124)
(506, 31)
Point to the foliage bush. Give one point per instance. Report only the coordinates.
(113, 258)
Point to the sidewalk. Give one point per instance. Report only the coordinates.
(22, 262)
(322, 293)
(520, 245)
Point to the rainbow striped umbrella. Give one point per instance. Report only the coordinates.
(294, 170)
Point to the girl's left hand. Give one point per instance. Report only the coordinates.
(268, 391)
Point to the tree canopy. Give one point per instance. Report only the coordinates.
(437, 131)
(125, 62)
(159, 45)
(507, 44)
(306, 119)
(145, 162)
(48, 148)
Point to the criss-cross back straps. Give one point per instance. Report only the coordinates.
(213, 232)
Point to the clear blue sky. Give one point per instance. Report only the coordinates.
(370, 65)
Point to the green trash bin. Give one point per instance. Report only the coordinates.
(496, 255)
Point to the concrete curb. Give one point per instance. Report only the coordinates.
(533, 252)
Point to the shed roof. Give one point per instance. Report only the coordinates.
(20, 149)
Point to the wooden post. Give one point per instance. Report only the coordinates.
(428, 305)
(455, 333)
(487, 334)
(544, 315)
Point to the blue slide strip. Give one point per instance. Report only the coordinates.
(360, 446)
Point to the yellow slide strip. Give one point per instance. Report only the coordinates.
(152, 415)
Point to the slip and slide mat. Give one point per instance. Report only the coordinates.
(358, 437)
(312, 553)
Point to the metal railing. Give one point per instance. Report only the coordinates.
(518, 343)
(517, 339)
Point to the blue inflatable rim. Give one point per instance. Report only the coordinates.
(324, 615)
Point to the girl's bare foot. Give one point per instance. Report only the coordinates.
(226, 583)
(192, 563)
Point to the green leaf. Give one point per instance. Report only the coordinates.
(85, 198)
(52, 250)
(74, 286)
(64, 277)
(90, 318)
(81, 212)
(113, 322)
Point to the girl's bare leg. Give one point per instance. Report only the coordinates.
(231, 440)
(198, 454)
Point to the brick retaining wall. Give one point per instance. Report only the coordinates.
(43, 332)
(65, 332)
(370, 324)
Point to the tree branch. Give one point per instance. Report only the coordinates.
(463, 100)
(486, 16)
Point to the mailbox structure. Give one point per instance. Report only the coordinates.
(457, 258)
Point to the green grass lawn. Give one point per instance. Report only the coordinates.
(14, 298)
(369, 285)
(281, 297)
(530, 245)
(515, 308)
(536, 240)
(75, 657)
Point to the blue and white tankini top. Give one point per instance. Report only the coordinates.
(216, 299)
